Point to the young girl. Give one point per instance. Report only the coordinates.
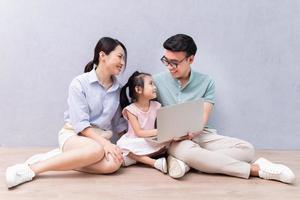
(92, 112)
(141, 116)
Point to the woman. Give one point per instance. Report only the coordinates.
(93, 111)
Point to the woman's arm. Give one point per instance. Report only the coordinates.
(109, 148)
(137, 128)
(89, 132)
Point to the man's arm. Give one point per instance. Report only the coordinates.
(207, 108)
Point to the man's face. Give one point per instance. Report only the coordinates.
(177, 63)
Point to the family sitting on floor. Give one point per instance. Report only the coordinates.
(99, 106)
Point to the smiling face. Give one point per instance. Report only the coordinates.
(114, 61)
(149, 90)
(178, 64)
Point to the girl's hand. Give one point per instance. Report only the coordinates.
(114, 151)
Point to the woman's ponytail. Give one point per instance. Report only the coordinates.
(89, 67)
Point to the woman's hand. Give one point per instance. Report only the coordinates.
(114, 151)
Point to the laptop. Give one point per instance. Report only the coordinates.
(177, 120)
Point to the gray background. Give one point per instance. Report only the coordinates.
(250, 48)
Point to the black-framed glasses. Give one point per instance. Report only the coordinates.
(173, 64)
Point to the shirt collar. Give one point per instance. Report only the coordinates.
(190, 79)
(92, 76)
(94, 79)
(177, 82)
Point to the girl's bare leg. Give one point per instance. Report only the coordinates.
(142, 159)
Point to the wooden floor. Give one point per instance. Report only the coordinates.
(140, 182)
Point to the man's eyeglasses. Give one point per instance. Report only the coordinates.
(173, 64)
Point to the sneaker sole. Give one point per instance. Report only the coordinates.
(291, 177)
(9, 178)
(174, 168)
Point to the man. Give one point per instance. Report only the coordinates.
(206, 151)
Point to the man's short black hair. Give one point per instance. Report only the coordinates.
(181, 42)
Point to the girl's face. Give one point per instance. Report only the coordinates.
(149, 90)
(114, 61)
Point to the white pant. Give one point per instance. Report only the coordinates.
(213, 153)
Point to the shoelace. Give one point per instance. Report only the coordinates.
(271, 172)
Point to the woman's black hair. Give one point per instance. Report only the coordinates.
(135, 80)
(107, 45)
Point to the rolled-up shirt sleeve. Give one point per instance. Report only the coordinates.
(119, 124)
(78, 107)
(209, 95)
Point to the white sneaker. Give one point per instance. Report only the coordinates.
(177, 168)
(128, 161)
(42, 156)
(18, 174)
(279, 172)
(161, 165)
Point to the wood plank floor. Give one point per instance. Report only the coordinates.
(140, 182)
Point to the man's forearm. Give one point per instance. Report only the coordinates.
(207, 108)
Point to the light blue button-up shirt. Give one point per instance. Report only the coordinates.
(90, 104)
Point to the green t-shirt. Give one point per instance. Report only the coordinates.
(170, 91)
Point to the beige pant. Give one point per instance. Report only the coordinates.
(213, 153)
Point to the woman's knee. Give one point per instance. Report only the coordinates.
(110, 167)
(95, 151)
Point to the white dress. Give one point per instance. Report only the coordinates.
(130, 142)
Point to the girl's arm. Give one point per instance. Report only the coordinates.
(137, 128)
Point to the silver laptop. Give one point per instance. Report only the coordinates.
(177, 120)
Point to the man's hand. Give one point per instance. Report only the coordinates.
(185, 137)
(189, 136)
(192, 135)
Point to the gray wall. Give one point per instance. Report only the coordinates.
(251, 48)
